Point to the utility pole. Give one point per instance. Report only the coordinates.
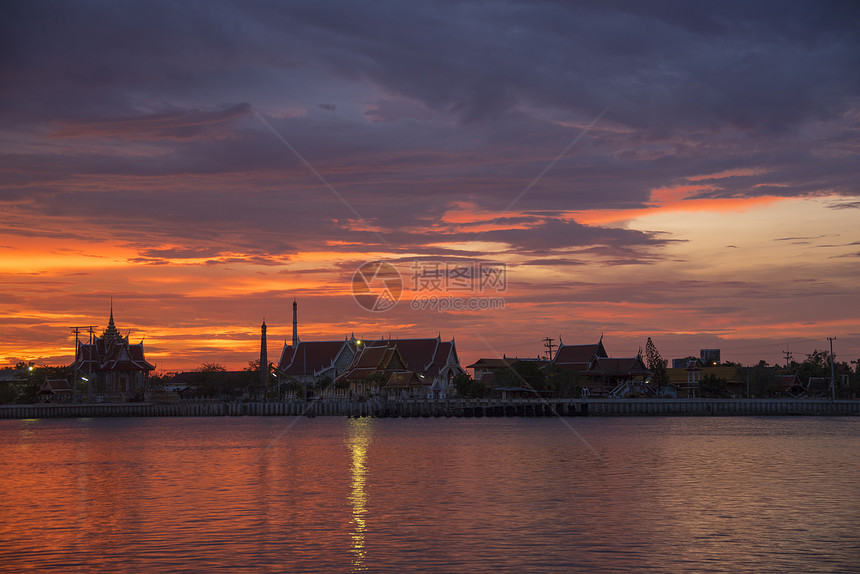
(93, 354)
(788, 357)
(77, 371)
(548, 343)
(832, 369)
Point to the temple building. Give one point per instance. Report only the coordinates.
(320, 364)
(114, 368)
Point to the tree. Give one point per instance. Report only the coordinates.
(763, 380)
(712, 386)
(210, 379)
(526, 374)
(657, 365)
(469, 388)
(564, 382)
(816, 364)
(249, 381)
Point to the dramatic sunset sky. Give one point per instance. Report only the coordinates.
(681, 170)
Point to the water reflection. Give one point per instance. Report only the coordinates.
(427, 495)
(359, 433)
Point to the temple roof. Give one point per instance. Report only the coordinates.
(309, 357)
(578, 357)
(111, 352)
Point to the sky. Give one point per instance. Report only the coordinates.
(681, 171)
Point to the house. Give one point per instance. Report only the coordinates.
(577, 358)
(487, 368)
(316, 362)
(375, 367)
(489, 373)
(686, 379)
(818, 387)
(616, 377)
(435, 361)
(601, 375)
(790, 385)
(55, 391)
(113, 367)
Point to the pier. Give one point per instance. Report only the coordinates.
(470, 408)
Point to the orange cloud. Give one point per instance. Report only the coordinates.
(674, 200)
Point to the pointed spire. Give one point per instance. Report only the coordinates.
(111, 333)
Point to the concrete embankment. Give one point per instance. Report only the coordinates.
(445, 408)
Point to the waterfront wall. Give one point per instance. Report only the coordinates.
(446, 408)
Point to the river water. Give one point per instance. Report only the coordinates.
(291, 494)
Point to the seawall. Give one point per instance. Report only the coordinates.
(446, 408)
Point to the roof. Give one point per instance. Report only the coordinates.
(56, 386)
(578, 357)
(420, 355)
(493, 363)
(374, 360)
(112, 355)
(402, 379)
(111, 352)
(425, 356)
(619, 366)
(309, 357)
(818, 384)
(785, 382)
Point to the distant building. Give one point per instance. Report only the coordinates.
(434, 361)
(55, 391)
(117, 370)
(577, 358)
(320, 363)
(617, 377)
(790, 385)
(709, 357)
(601, 375)
(379, 370)
(486, 371)
(312, 362)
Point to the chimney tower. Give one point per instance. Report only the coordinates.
(264, 358)
(295, 324)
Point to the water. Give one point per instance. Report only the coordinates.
(430, 495)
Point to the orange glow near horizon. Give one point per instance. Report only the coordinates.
(191, 310)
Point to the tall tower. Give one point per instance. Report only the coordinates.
(295, 324)
(264, 358)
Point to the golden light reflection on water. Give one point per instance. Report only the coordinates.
(360, 432)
